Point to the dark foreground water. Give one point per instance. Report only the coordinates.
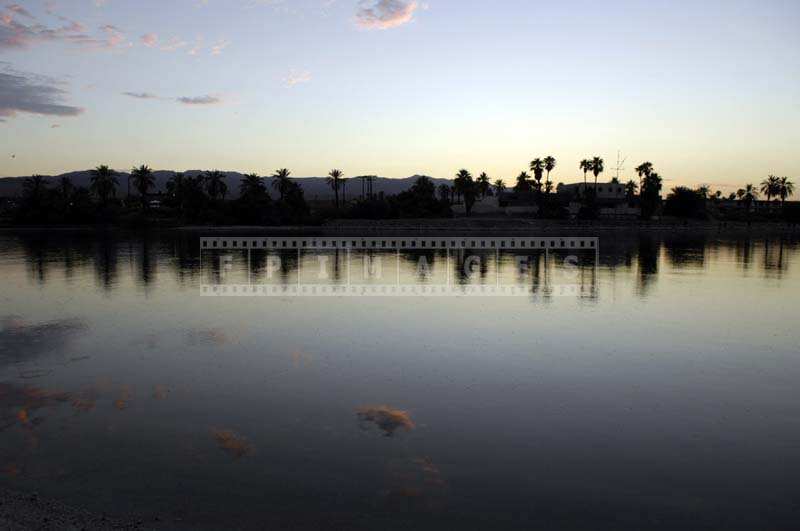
(661, 393)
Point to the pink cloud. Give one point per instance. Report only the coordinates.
(385, 14)
(14, 34)
(19, 10)
(173, 44)
(149, 39)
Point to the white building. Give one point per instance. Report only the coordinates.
(605, 191)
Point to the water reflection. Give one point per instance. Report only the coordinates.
(675, 359)
(144, 257)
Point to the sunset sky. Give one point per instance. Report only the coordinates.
(709, 91)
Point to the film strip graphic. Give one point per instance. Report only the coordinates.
(400, 249)
(399, 242)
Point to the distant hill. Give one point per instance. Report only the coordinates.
(314, 187)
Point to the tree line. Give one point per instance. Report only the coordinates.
(193, 199)
(201, 198)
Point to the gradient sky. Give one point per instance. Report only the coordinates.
(708, 91)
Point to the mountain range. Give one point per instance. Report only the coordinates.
(313, 187)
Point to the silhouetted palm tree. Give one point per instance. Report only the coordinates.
(215, 184)
(334, 180)
(252, 187)
(771, 187)
(643, 170)
(281, 182)
(523, 183)
(484, 185)
(747, 195)
(103, 183)
(630, 191)
(586, 166)
(650, 194)
(467, 188)
(143, 180)
(704, 191)
(537, 167)
(549, 165)
(499, 186)
(597, 169)
(786, 189)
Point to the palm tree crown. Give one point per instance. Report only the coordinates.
(252, 187)
(644, 169)
(585, 166)
(466, 187)
(597, 169)
(103, 183)
(215, 184)
(549, 165)
(748, 195)
(484, 184)
(143, 179)
(786, 188)
(771, 187)
(523, 183)
(281, 181)
(537, 167)
(334, 181)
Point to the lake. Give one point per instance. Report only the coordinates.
(651, 382)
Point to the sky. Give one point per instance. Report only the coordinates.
(708, 91)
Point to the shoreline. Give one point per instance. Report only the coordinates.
(453, 225)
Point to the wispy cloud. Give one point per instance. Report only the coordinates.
(297, 77)
(17, 34)
(151, 40)
(199, 100)
(22, 92)
(19, 10)
(173, 44)
(196, 47)
(141, 95)
(385, 14)
(207, 99)
(217, 48)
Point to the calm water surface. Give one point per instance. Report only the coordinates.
(663, 393)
